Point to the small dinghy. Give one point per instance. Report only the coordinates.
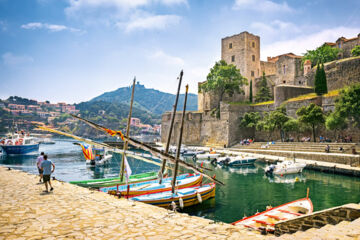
(286, 167)
(266, 220)
(183, 197)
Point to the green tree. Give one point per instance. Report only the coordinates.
(224, 78)
(335, 122)
(266, 124)
(291, 126)
(355, 51)
(251, 92)
(249, 120)
(278, 119)
(348, 103)
(311, 115)
(322, 54)
(264, 93)
(320, 80)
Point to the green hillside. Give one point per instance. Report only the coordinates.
(148, 99)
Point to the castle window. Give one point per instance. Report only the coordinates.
(339, 44)
(233, 58)
(252, 73)
(284, 69)
(253, 44)
(230, 45)
(253, 58)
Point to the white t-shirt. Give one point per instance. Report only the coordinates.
(39, 160)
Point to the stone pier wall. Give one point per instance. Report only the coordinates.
(348, 212)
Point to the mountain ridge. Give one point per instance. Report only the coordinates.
(147, 99)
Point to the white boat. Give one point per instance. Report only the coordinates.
(266, 220)
(19, 143)
(235, 161)
(286, 167)
(207, 156)
(46, 141)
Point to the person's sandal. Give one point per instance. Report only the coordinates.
(51, 189)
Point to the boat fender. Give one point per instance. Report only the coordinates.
(181, 203)
(199, 197)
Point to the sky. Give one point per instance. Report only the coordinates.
(74, 50)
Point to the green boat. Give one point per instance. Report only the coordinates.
(105, 182)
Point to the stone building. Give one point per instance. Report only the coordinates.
(346, 45)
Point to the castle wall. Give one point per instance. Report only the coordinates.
(268, 67)
(284, 92)
(339, 73)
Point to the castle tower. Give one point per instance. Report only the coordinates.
(243, 51)
(307, 67)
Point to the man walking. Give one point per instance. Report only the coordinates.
(46, 167)
(38, 164)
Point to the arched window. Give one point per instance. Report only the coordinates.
(253, 44)
(253, 58)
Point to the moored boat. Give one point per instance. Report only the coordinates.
(153, 186)
(18, 144)
(207, 156)
(235, 161)
(286, 167)
(182, 197)
(266, 220)
(104, 182)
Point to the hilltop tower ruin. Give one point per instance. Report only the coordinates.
(243, 51)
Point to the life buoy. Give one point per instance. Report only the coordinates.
(21, 141)
(17, 142)
(2, 142)
(9, 142)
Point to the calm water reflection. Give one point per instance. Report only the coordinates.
(246, 189)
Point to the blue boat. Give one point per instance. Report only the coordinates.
(19, 144)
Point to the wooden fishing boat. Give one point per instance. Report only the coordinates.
(182, 197)
(105, 182)
(153, 186)
(266, 220)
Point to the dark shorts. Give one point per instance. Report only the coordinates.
(46, 178)
(40, 171)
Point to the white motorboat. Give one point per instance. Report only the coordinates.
(235, 161)
(207, 156)
(286, 167)
(47, 141)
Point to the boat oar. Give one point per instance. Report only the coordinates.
(146, 147)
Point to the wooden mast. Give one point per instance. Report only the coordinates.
(171, 127)
(179, 143)
(127, 132)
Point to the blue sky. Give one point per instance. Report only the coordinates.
(74, 50)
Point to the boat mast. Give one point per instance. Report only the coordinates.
(179, 143)
(127, 132)
(171, 127)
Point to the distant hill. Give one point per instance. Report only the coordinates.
(148, 99)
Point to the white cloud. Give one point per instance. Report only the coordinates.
(167, 59)
(11, 60)
(150, 22)
(300, 44)
(262, 6)
(50, 27)
(79, 5)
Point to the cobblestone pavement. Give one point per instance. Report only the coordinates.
(72, 212)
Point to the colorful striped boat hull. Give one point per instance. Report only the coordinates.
(191, 198)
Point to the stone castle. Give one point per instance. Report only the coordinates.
(286, 77)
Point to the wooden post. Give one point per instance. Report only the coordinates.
(171, 127)
(127, 133)
(307, 192)
(179, 143)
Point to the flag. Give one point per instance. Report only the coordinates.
(127, 169)
(87, 151)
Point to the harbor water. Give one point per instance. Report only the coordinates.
(246, 191)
